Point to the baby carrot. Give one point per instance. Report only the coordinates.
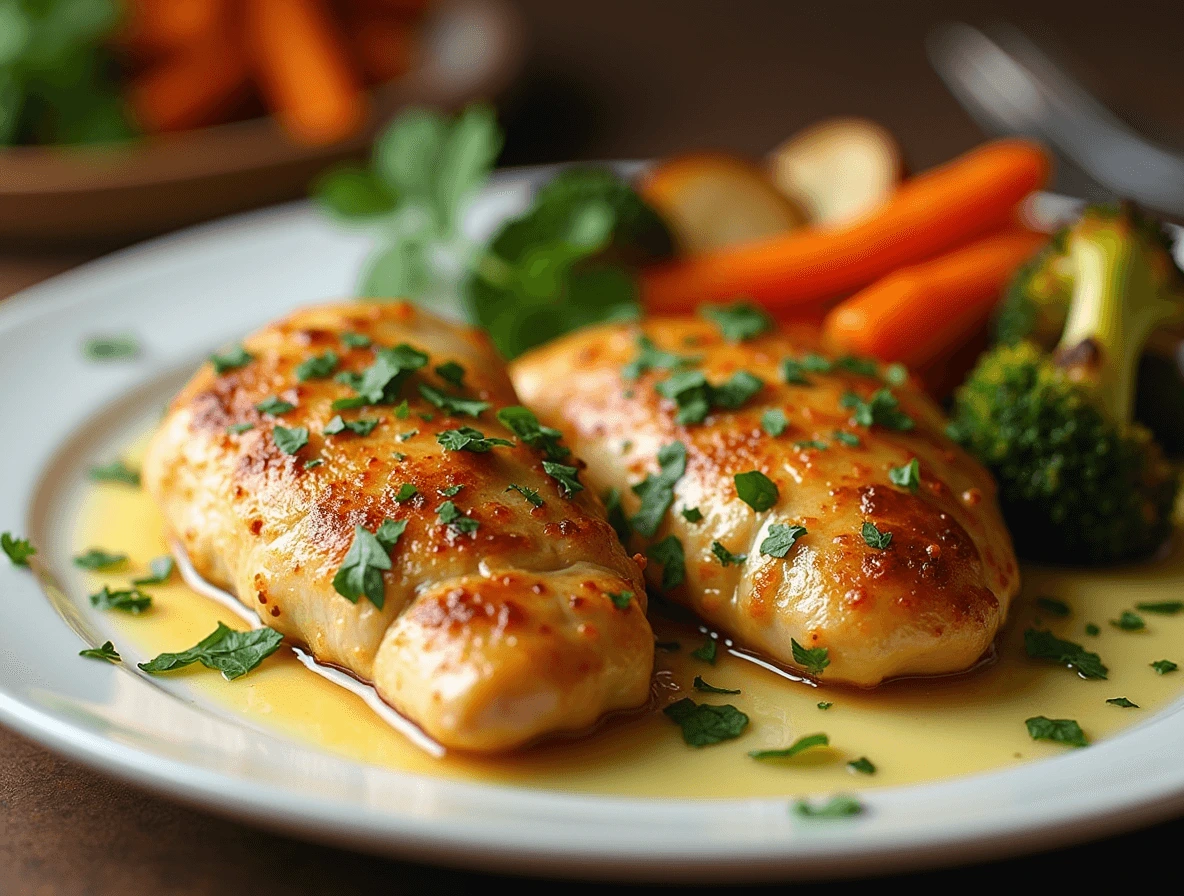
(304, 70)
(192, 88)
(917, 314)
(158, 26)
(932, 213)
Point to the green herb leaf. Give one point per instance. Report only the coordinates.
(362, 427)
(815, 363)
(756, 490)
(290, 441)
(620, 599)
(225, 650)
(361, 571)
(1053, 607)
(813, 659)
(381, 381)
(567, 477)
(657, 491)
(404, 436)
(451, 372)
(352, 193)
(19, 550)
(862, 766)
(738, 322)
(811, 443)
(668, 553)
(1042, 645)
(313, 463)
(131, 600)
(825, 705)
(274, 406)
(120, 347)
(528, 493)
(98, 559)
(1163, 667)
(793, 373)
(774, 422)
(1129, 622)
(736, 390)
(160, 569)
(692, 394)
(650, 357)
(1167, 608)
(858, 366)
(453, 404)
(106, 652)
(1123, 702)
(882, 408)
(692, 514)
(468, 439)
(525, 425)
(450, 515)
(835, 807)
(318, 367)
(701, 685)
(726, 557)
(1092, 630)
(781, 539)
(239, 428)
(896, 374)
(356, 340)
(616, 515)
(116, 471)
(231, 360)
(908, 476)
(406, 492)
(703, 724)
(1063, 731)
(452, 491)
(798, 746)
(874, 537)
(847, 438)
(707, 652)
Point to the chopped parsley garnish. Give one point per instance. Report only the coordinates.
(274, 406)
(233, 653)
(738, 322)
(813, 659)
(701, 685)
(455, 405)
(231, 360)
(835, 807)
(406, 492)
(793, 373)
(874, 537)
(1092, 630)
(896, 374)
(528, 493)
(650, 357)
(318, 367)
(798, 746)
(736, 390)
(468, 439)
(825, 704)
(118, 347)
(908, 476)
(616, 515)
(695, 396)
(858, 366)
(1042, 645)
(815, 363)
(1123, 702)
(1063, 731)
(312, 463)
(403, 410)
(380, 382)
(160, 571)
(361, 427)
(452, 491)
(451, 372)
(19, 550)
(116, 471)
(781, 539)
(862, 766)
(1167, 608)
(368, 557)
(290, 441)
(525, 425)
(707, 652)
(756, 490)
(404, 436)
(1129, 622)
(811, 443)
(567, 477)
(847, 438)
(131, 600)
(726, 557)
(107, 652)
(668, 554)
(450, 515)
(425, 417)
(882, 408)
(98, 559)
(1163, 667)
(620, 599)
(239, 428)
(656, 491)
(774, 422)
(399, 455)
(692, 514)
(703, 724)
(1053, 607)
(356, 340)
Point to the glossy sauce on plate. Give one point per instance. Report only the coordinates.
(912, 731)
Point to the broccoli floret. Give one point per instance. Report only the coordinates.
(1079, 481)
(1037, 300)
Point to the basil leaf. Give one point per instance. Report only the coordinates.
(793, 373)
(811, 443)
(1163, 667)
(692, 514)
(858, 366)
(1053, 607)
(847, 438)
(1167, 608)
(406, 492)
(1062, 731)
(356, 340)
(239, 428)
(351, 192)
(362, 427)
(882, 408)
(1129, 622)
(233, 653)
(703, 724)
(756, 490)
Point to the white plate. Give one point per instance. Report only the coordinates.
(188, 294)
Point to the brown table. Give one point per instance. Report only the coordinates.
(610, 79)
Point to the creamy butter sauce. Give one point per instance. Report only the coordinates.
(913, 731)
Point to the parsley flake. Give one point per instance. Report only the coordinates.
(703, 724)
(701, 685)
(847, 438)
(668, 553)
(404, 436)
(1092, 630)
(451, 516)
(695, 396)
(455, 405)
(813, 659)
(131, 600)
(726, 557)
(650, 357)
(908, 476)
(468, 439)
(528, 493)
(692, 514)
(452, 491)
(356, 340)
(239, 428)
(798, 746)
(525, 425)
(107, 652)
(368, 557)
(756, 490)
(406, 492)
(1167, 608)
(381, 381)
(1129, 622)
(318, 367)
(620, 599)
(18, 550)
(740, 321)
(882, 408)
(781, 539)
(1123, 702)
(816, 363)
(1042, 645)
(811, 443)
(835, 807)
(1053, 607)
(160, 570)
(290, 441)
(312, 463)
(98, 559)
(1062, 731)
(774, 422)
(118, 347)
(274, 406)
(116, 471)
(824, 704)
(874, 537)
(233, 653)
(451, 372)
(231, 360)
(793, 373)
(656, 491)
(403, 410)
(858, 366)
(567, 477)
(862, 766)
(1163, 667)
(362, 427)
(707, 652)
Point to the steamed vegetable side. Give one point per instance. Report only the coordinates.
(1079, 481)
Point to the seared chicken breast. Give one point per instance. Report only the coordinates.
(855, 525)
(347, 473)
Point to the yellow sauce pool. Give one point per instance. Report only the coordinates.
(913, 731)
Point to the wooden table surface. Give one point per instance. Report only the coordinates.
(604, 80)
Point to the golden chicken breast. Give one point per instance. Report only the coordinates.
(810, 508)
(363, 477)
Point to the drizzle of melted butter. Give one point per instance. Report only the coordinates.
(913, 731)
